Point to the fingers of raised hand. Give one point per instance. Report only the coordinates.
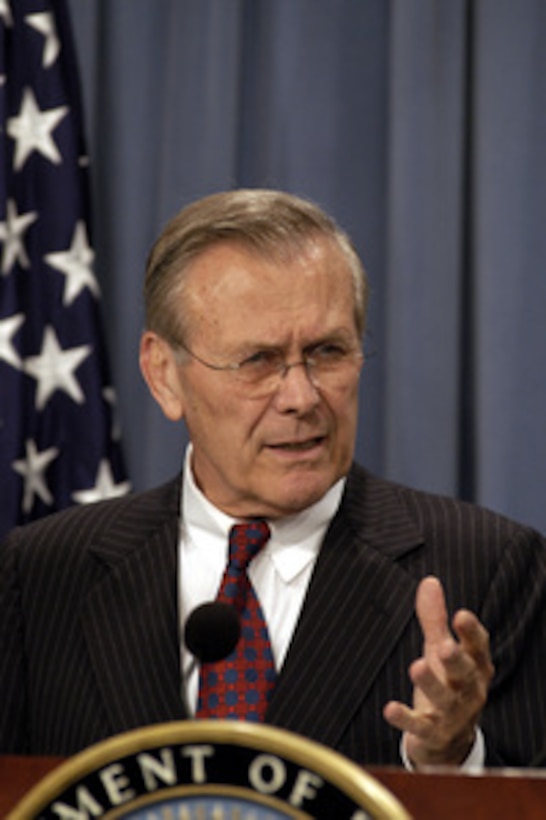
(474, 640)
(450, 682)
(449, 692)
(452, 685)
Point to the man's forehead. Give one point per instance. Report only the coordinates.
(227, 257)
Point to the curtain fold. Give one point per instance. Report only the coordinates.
(423, 293)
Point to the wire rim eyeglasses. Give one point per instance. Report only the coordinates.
(327, 364)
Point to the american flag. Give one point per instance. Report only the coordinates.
(59, 443)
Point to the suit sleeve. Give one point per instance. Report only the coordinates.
(514, 611)
(13, 734)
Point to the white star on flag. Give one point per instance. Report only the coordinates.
(8, 329)
(32, 468)
(76, 264)
(5, 13)
(11, 233)
(105, 486)
(44, 23)
(32, 130)
(54, 369)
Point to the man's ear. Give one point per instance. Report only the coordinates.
(160, 371)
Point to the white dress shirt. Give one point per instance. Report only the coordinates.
(280, 573)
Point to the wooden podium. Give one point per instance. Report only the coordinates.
(502, 795)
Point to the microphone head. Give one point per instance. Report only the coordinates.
(212, 631)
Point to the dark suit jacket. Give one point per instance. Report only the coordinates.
(90, 635)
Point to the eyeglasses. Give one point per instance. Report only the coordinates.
(328, 365)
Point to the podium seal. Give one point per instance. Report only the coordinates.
(208, 770)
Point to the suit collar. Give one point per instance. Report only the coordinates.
(140, 517)
(375, 511)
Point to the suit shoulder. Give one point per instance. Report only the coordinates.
(434, 510)
(437, 515)
(80, 526)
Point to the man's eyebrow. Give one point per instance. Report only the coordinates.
(337, 334)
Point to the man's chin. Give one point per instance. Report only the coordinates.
(296, 498)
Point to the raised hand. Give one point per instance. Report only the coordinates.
(450, 681)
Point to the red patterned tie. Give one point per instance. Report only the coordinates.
(239, 687)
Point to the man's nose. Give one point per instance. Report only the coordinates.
(296, 391)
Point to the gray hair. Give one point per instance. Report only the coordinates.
(270, 223)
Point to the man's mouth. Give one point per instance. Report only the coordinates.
(298, 446)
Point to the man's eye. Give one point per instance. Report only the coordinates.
(262, 359)
(329, 350)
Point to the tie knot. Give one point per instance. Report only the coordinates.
(245, 541)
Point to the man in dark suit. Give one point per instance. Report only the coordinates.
(255, 309)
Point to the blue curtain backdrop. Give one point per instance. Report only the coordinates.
(421, 125)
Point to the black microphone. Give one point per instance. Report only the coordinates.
(212, 631)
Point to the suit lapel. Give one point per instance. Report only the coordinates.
(358, 604)
(131, 621)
